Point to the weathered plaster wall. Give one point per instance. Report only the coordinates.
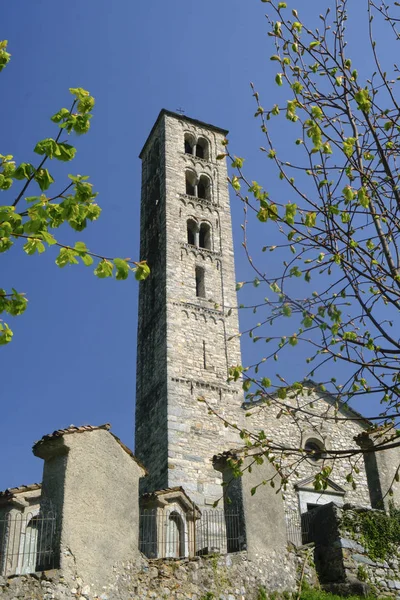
(92, 483)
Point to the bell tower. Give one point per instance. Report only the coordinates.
(187, 334)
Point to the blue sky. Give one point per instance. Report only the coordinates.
(73, 357)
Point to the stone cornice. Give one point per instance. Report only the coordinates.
(205, 385)
(197, 199)
(199, 250)
(198, 308)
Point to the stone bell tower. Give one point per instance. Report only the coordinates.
(187, 334)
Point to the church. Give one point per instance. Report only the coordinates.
(188, 338)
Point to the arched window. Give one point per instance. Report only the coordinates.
(314, 449)
(202, 148)
(205, 236)
(192, 229)
(204, 188)
(190, 183)
(189, 143)
(200, 283)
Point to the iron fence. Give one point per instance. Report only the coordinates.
(27, 543)
(299, 528)
(172, 534)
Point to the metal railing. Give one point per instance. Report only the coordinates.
(27, 543)
(172, 534)
(299, 529)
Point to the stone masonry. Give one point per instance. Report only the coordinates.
(186, 341)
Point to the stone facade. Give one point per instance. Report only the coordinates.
(187, 338)
(325, 424)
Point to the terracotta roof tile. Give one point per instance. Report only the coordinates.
(82, 429)
(20, 489)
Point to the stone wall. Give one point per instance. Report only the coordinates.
(230, 577)
(342, 559)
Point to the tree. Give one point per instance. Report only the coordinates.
(32, 218)
(334, 223)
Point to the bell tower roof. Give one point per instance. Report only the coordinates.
(170, 113)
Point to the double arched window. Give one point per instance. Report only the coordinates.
(199, 147)
(199, 187)
(199, 235)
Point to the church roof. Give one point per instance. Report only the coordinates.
(328, 397)
(82, 429)
(170, 113)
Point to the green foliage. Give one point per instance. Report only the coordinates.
(30, 218)
(262, 594)
(332, 140)
(316, 594)
(380, 532)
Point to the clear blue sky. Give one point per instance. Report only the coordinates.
(73, 357)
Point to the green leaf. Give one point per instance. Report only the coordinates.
(44, 179)
(293, 341)
(5, 332)
(34, 245)
(47, 147)
(79, 93)
(265, 382)
(66, 152)
(310, 219)
(237, 162)
(275, 287)
(278, 79)
(363, 100)
(286, 310)
(247, 383)
(290, 213)
(67, 256)
(363, 197)
(23, 171)
(142, 271)
(86, 259)
(122, 268)
(104, 269)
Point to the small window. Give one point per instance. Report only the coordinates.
(189, 144)
(205, 236)
(200, 283)
(202, 148)
(314, 449)
(192, 229)
(190, 183)
(203, 188)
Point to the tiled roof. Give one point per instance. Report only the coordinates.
(178, 488)
(82, 429)
(20, 489)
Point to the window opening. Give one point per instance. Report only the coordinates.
(200, 283)
(204, 355)
(204, 188)
(190, 184)
(189, 144)
(191, 232)
(202, 148)
(314, 450)
(205, 236)
(199, 151)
